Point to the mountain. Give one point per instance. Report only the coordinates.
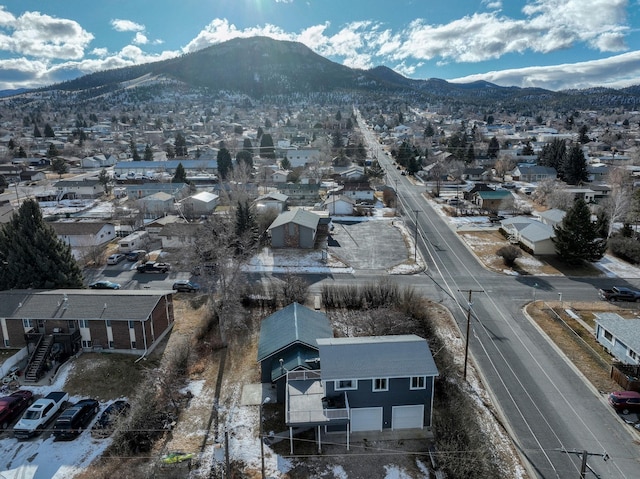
(262, 67)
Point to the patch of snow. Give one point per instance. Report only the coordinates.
(613, 267)
(394, 472)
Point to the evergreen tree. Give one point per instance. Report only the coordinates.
(337, 139)
(148, 153)
(21, 153)
(58, 165)
(583, 138)
(180, 145)
(285, 164)
(577, 237)
(36, 132)
(171, 153)
(48, 131)
(32, 255)
(471, 155)
(267, 149)
(553, 154)
(225, 165)
(180, 176)
(105, 180)
(246, 228)
(11, 145)
(494, 148)
(575, 166)
(429, 131)
(52, 152)
(134, 150)
(528, 149)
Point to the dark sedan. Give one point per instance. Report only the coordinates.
(104, 285)
(625, 401)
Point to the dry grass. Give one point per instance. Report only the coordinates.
(579, 346)
(485, 244)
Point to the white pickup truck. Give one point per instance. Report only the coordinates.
(39, 414)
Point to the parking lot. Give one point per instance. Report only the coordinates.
(376, 244)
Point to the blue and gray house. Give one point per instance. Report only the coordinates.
(288, 342)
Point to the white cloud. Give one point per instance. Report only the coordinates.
(140, 39)
(43, 36)
(614, 72)
(101, 52)
(126, 26)
(6, 18)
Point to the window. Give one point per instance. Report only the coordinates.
(632, 354)
(84, 323)
(132, 324)
(86, 344)
(608, 336)
(108, 323)
(380, 384)
(6, 343)
(417, 382)
(133, 345)
(346, 384)
(111, 346)
(27, 323)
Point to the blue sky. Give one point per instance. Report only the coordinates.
(553, 44)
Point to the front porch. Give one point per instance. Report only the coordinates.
(306, 405)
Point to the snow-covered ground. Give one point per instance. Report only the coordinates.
(40, 458)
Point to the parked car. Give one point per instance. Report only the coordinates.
(619, 293)
(12, 406)
(115, 258)
(153, 267)
(104, 284)
(137, 255)
(184, 286)
(625, 401)
(75, 419)
(105, 424)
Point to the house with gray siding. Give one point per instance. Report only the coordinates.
(288, 342)
(294, 229)
(619, 336)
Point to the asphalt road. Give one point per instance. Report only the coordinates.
(549, 408)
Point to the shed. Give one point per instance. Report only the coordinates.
(200, 204)
(294, 229)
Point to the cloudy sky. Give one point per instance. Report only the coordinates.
(553, 44)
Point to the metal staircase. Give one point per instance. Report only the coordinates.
(38, 359)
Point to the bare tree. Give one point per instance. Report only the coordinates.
(617, 205)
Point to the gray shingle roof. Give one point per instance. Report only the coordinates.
(626, 330)
(375, 356)
(122, 305)
(77, 227)
(292, 324)
(298, 216)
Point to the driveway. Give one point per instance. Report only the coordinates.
(375, 244)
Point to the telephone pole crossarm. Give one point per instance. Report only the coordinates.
(584, 466)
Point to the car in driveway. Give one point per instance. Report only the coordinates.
(625, 401)
(153, 267)
(184, 286)
(137, 255)
(75, 419)
(104, 284)
(106, 423)
(115, 258)
(11, 406)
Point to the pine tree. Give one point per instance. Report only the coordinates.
(494, 148)
(180, 176)
(48, 131)
(577, 236)
(148, 153)
(33, 256)
(180, 146)
(225, 165)
(267, 149)
(553, 154)
(36, 132)
(575, 166)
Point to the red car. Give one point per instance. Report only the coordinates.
(12, 406)
(625, 401)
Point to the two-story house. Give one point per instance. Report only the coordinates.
(367, 383)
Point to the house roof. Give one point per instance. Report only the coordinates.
(77, 227)
(333, 198)
(298, 216)
(121, 305)
(627, 330)
(205, 197)
(555, 215)
(375, 357)
(275, 196)
(158, 196)
(493, 194)
(537, 170)
(292, 324)
(529, 228)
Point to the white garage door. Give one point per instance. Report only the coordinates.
(366, 419)
(407, 417)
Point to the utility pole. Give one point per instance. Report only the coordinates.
(584, 466)
(415, 239)
(466, 346)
